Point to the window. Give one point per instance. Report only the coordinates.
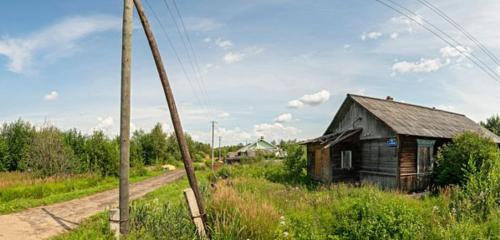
(346, 159)
(425, 155)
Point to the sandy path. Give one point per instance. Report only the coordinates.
(47, 221)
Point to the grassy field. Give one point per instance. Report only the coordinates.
(19, 191)
(256, 202)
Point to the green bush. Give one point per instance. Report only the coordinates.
(295, 162)
(18, 137)
(452, 163)
(102, 154)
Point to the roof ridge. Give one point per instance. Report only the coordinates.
(403, 103)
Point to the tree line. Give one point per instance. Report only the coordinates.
(49, 151)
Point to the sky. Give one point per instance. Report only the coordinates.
(273, 68)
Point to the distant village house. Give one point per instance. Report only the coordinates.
(251, 150)
(382, 141)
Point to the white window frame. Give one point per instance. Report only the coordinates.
(349, 160)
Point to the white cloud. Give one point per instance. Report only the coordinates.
(310, 99)
(54, 41)
(223, 43)
(457, 51)
(233, 57)
(275, 131)
(282, 118)
(449, 108)
(346, 46)
(371, 35)
(207, 39)
(104, 124)
(201, 24)
(51, 96)
(394, 35)
(295, 104)
(498, 70)
(423, 65)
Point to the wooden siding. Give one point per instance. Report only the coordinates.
(319, 164)
(352, 115)
(339, 174)
(378, 163)
(410, 181)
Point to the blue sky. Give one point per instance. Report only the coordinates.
(274, 68)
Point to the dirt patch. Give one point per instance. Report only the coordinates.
(47, 221)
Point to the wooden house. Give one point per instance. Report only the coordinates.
(382, 141)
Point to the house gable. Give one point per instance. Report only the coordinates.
(352, 115)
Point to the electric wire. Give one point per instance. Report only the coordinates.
(482, 66)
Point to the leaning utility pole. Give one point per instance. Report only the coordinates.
(128, 9)
(179, 133)
(212, 146)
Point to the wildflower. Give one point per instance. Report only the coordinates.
(285, 234)
(435, 208)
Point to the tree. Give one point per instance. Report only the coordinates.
(18, 137)
(468, 152)
(492, 124)
(76, 141)
(3, 155)
(49, 155)
(295, 162)
(102, 154)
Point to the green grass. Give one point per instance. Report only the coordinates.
(22, 195)
(248, 205)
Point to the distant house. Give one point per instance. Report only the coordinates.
(382, 141)
(261, 146)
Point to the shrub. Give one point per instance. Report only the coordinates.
(18, 137)
(294, 162)
(3, 155)
(452, 161)
(49, 155)
(102, 154)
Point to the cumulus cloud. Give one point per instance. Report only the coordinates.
(56, 40)
(282, 118)
(498, 70)
(453, 52)
(310, 99)
(223, 43)
(275, 131)
(207, 39)
(371, 35)
(421, 66)
(104, 124)
(224, 115)
(233, 57)
(51, 96)
(295, 104)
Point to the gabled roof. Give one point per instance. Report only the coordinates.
(260, 144)
(409, 119)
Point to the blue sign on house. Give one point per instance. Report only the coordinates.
(392, 142)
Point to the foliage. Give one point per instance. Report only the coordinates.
(3, 155)
(295, 163)
(454, 159)
(492, 124)
(102, 155)
(18, 137)
(48, 154)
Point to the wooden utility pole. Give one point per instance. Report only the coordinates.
(179, 132)
(212, 149)
(128, 10)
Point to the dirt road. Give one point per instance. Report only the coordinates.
(47, 221)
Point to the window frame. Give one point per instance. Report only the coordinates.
(342, 165)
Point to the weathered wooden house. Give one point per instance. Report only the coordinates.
(382, 141)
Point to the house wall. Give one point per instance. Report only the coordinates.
(410, 181)
(379, 163)
(318, 162)
(339, 174)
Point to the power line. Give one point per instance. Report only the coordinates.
(483, 67)
(190, 51)
(164, 31)
(483, 48)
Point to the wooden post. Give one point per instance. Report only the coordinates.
(179, 132)
(125, 114)
(195, 212)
